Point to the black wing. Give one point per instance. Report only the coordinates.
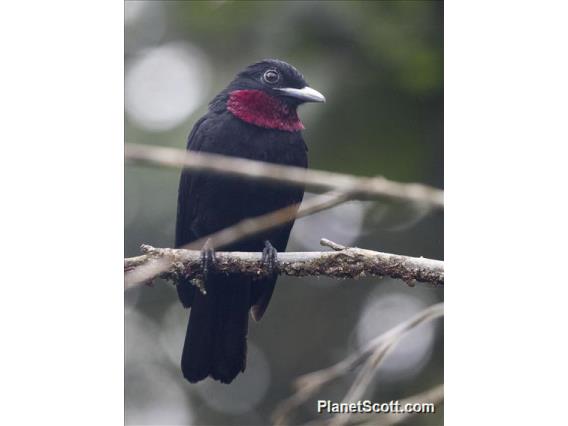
(186, 212)
(186, 206)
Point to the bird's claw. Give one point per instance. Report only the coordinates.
(207, 259)
(269, 259)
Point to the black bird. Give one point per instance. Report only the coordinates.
(254, 117)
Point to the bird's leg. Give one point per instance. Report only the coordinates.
(207, 264)
(207, 259)
(270, 259)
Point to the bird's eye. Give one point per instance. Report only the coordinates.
(271, 76)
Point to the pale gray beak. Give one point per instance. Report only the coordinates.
(306, 94)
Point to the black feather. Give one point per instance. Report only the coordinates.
(215, 343)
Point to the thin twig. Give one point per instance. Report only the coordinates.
(359, 187)
(241, 230)
(258, 224)
(332, 245)
(373, 353)
(389, 341)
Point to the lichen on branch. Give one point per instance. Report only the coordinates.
(342, 263)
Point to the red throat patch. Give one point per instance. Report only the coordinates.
(259, 108)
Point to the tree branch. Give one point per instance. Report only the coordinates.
(342, 263)
(345, 187)
(254, 225)
(369, 358)
(245, 228)
(357, 187)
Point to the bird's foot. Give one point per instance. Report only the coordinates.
(207, 266)
(270, 259)
(207, 262)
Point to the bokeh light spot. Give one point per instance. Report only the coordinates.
(384, 311)
(245, 392)
(154, 397)
(342, 224)
(164, 85)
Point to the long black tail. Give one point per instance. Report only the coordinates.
(215, 342)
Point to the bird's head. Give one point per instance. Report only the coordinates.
(267, 94)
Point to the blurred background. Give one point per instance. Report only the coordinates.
(380, 66)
